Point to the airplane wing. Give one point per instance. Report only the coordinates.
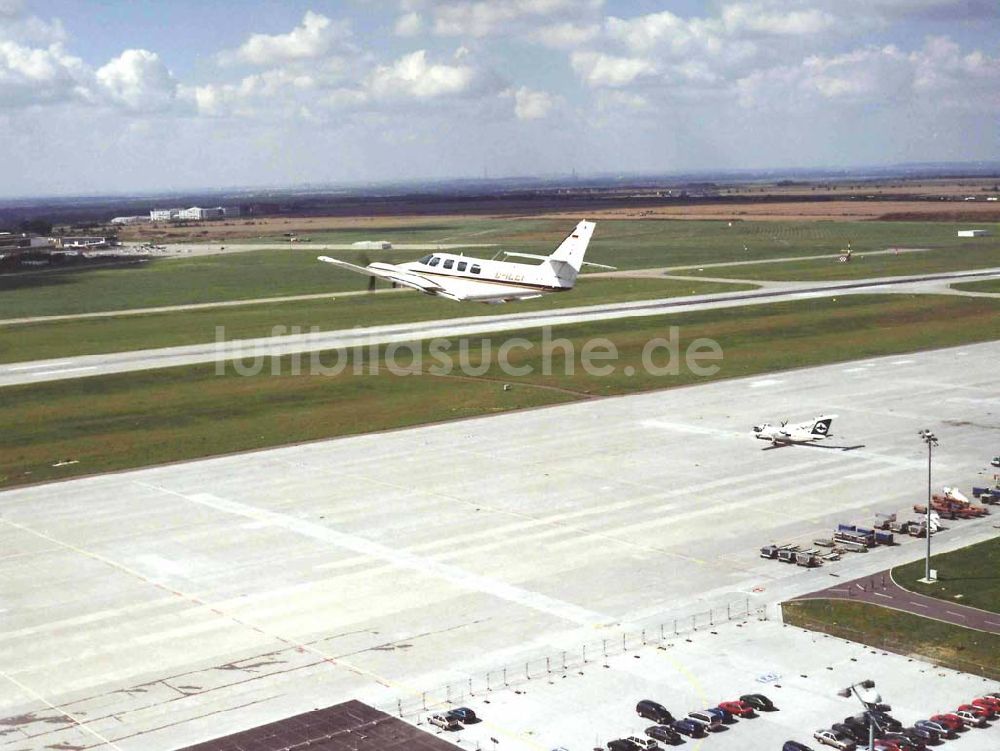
(389, 273)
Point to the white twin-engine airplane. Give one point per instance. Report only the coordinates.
(781, 435)
(458, 277)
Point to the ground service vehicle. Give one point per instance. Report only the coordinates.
(654, 711)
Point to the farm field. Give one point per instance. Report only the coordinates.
(135, 419)
(626, 244)
(66, 338)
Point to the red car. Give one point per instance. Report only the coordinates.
(884, 744)
(737, 708)
(979, 711)
(987, 701)
(949, 720)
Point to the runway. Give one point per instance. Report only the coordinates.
(124, 362)
(152, 609)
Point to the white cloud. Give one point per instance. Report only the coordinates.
(600, 70)
(35, 75)
(313, 38)
(770, 18)
(411, 76)
(485, 17)
(137, 80)
(565, 34)
(409, 25)
(531, 105)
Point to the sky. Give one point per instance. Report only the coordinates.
(124, 96)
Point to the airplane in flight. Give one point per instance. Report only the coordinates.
(461, 278)
(805, 432)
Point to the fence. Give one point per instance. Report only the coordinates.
(556, 664)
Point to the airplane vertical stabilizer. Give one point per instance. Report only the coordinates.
(572, 250)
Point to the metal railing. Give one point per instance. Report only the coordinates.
(553, 665)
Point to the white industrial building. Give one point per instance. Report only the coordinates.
(372, 245)
(195, 213)
(973, 233)
(131, 219)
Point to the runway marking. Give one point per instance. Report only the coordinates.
(402, 559)
(64, 370)
(957, 615)
(35, 366)
(882, 594)
(766, 382)
(918, 604)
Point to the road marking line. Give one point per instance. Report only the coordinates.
(882, 594)
(957, 615)
(64, 370)
(917, 604)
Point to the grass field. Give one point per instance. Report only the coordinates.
(970, 576)
(624, 243)
(987, 285)
(50, 339)
(861, 266)
(136, 419)
(951, 646)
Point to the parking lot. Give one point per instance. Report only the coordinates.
(799, 671)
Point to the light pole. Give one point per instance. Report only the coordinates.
(931, 440)
(870, 700)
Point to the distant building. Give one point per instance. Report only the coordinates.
(163, 215)
(131, 219)
(23, 241)
(973, 233)
(372, 245)
(83, 243)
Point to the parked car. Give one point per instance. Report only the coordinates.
(883, 744)
(984, 712)
(794, 746)
(687, 727)
(906, 743)
(653, 711)
(739, 708)
(622, 744)
(971, 718)
(924, 735)
(724, 716)
(759, 702)
(886, 721)
(860, 725)
(950, 720)
(646, 743)
(663, 733)
(852, 731)
(835, 739)
(462, 714)
(444, 722)
(943, 731)
(987, 701)
(706, 719)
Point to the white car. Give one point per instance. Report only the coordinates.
(835, 739)
(445, 723)
(647, 743)
(972, 719)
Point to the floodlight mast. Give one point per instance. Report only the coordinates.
(868, 683)
(931, 440)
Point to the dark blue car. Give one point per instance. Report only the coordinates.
(689, 728)
(725, 716)
(795, 746)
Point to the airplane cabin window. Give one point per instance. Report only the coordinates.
(449, 263)
(426, 260)
(475, 268)
(462, 265)
(435, 261)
